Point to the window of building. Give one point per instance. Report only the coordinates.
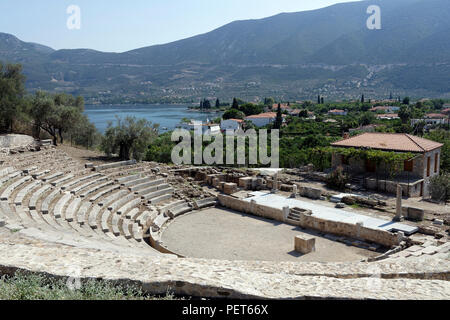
(436, 162)
(428, 166)
(408, 165)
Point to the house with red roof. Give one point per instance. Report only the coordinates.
(431, 119)
(337, 112)
(414, 174)
(263, 119)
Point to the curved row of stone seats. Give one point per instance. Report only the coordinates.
(157, 193)
(129, 205)
(149, 187)
(39, 174)
(113, 197)
(70, 213)
(136, 182)
(115, 219)
(93, 214)
(82, 212)
(179, 210)
(6, 171)
(157, 196)
(133, 214)
(52, 176)
(124, 171)
(25, 191)
(114, 165)
(48, 200)
(35, 197)
(62, 180)
(123, 201)
(126, 225)
(145, 219)
(204, 203)
(7, 214)
(159, 222)
(96, 188)
(137, 232)
(164, 209)
(60, 205)
(79, 180)
(30, 170)
(104, 193)
(87, 184)
(10, 176)
(123, 180)
(10, 189)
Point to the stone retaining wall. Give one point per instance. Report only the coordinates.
(382, 237)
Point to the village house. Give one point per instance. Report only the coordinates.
(200, 128)
(263, 119)
(231, 125)
(388, 116)
(386, 109)
(432, 119)
(414, 176)
(446, 111)
(337, 112)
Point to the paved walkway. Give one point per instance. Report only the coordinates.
(324, 212)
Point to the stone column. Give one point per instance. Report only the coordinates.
(275, 183)
(286, 212)
(294, 191)
(398, 212)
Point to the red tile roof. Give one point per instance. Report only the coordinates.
(263, 115)
(435, 116)
(389, 141)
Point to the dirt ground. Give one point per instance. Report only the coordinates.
(84, 155)
(229, 235)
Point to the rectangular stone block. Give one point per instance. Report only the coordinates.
(230, 188)
(215, 182)
(305, 244)
(245, 182)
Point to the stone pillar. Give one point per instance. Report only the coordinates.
(275, 183)
(305, 244)
(398, 212)
(294, 191)
(286, 211)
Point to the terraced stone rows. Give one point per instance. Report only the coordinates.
(57, 209)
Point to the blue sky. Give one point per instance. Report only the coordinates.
(119, 25)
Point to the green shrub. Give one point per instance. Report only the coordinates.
(337, 179)
(23, 286)
(440, 187)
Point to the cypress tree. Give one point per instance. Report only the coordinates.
(235, 104)
(279, 119)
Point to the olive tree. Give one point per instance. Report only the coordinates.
(130, 138)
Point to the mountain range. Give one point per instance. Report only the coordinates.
(290, 56)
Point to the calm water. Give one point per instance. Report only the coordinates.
(167, 116)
